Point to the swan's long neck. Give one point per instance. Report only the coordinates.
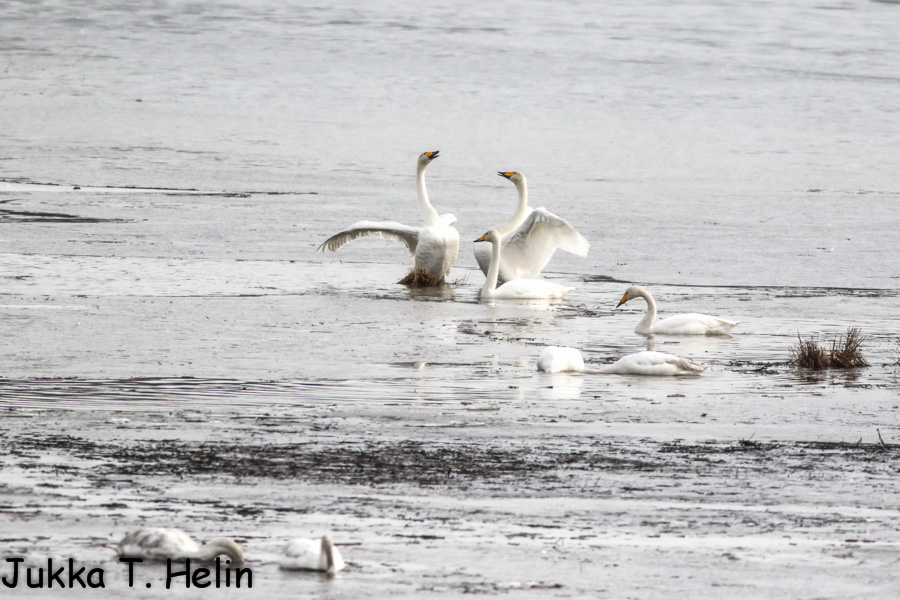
(431, 215)
(217, 547)
(644, 325)
(518, 217)
(490, 280)
(328, 554)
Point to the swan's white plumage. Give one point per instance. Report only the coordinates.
(686, 324)
(558, 359)
(160, 543)
(518, 288)
(651, 363)
(530, 238)
(312, 555)
(434, 246)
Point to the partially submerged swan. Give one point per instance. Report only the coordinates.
(686, 324)
(650, 362)
(518, 288)
(560, 359)
(159, 543)
(555, 359)
(530, 237)
(434, 246)
(312, 555)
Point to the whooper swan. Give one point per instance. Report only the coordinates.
(530, 238)
(517, 288)
(434, 246)
(312, 555)
(686, 324)
(159, 543)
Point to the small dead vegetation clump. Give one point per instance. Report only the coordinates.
(844, 354)
(421, 278)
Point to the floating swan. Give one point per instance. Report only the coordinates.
(687, 324)
(434, 246)
(159, 543)
(530, 238)
(650, 362)
(518, 288)
(554, 359)
(312, 555)
(557, 359)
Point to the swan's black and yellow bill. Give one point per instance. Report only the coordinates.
(482, 238)
(623, 300)
(506, 174)
(432, 155)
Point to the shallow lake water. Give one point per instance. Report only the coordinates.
(175, 353)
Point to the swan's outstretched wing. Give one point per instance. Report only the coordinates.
(388, 230)
(531, 246)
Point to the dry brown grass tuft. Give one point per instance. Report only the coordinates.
(808, 354)
(845, 352)
(421, 278)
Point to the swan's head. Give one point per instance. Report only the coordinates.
(631, 293)
(426, 157)
(229, 548)
(514, 176)
(491, 236)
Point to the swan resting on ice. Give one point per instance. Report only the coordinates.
(434, 246)
(686, 324)
(555, 359)
(517, 288)
(160, 543)
(312, 555)
(530, 237)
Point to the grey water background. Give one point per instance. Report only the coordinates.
(167, 170)
(709, 144)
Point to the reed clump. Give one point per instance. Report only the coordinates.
(421, 278)
(844, 353)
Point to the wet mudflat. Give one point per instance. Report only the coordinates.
(573, 498)
(445, 464)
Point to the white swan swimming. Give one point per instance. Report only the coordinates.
(312, 555)
(530, 238)
(517, 288)
(559, 359)
(686, 324)
(159, 543)
(434, 246)
(554, 359)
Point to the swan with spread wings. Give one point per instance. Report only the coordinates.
(530, 237)
(434, 246)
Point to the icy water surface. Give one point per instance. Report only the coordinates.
(174, 352)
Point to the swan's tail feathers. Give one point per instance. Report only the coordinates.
(686, 367)
(724, 327)
(387, 230)
(419, 278)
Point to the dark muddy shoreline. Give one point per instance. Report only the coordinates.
(465, 507)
